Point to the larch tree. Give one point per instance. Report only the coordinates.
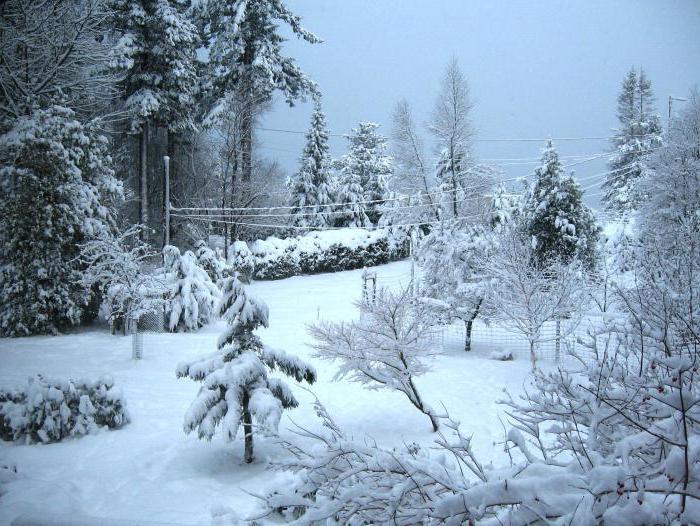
(366, 164)
(311, 187)
(560, 225)
(155, 58)
(246, 60)
(236, 386)
(411, 171)
(451, 126)
(638, 136)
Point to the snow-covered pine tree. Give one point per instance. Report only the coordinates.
(366, 164)
(155, 57)
(57, 190)
(638, 135)
(311, 186)
(352, 210)
(209, 261)
(246, 60)
(191, 295)
(555, 217)
(235, 384)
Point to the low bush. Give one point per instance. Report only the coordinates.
(49, 410)
(326, 251)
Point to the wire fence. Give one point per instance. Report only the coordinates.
(555, 345)
(148, 323)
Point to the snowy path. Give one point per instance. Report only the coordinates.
(150, 470)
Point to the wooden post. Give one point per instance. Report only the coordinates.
(166, 200)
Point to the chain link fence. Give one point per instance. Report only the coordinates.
(149, 322)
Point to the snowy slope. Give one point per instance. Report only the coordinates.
(150, 470)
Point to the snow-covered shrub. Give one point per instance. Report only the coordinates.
(241, 259)
(387, 348)
(501, 355)
(116, 265)
(235, 384)
(191, 295)
(49, 409)
(326, 251)
(209, 261)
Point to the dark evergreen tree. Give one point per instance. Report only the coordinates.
(235, 382)
(311, 186)
(155, 58)
(637, 137)
(559, 224)
(57, 190)
(246, 60)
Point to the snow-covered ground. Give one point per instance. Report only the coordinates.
(150, 470)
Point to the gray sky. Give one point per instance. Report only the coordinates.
(536, 68)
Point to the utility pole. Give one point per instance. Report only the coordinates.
(671, 98)
(166, 200)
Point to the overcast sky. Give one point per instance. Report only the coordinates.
(536, 68)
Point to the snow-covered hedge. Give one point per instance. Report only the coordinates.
(50, 409)
(327, 251)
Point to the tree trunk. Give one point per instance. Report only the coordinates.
(247, 430)
(247, 117)
(143, 180)
(533, 355)
(416, 400)
(468, 328)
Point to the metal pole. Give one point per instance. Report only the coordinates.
(166, 200)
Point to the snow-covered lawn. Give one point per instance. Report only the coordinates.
(150, 470)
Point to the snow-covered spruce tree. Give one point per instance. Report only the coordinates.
(57, 190)
(366, 164)
(156, 62)
(236, 387)
(449, 258)
(638, 135)
(352, 209)
(560, 225)
(311, 186)
(209, 261)
(191, 296)
(387, 348)
(246, 60)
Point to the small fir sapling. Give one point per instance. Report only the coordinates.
(191, 295)
(236, 387)
(208, 260)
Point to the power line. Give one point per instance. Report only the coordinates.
(583, 138)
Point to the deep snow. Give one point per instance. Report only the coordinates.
(150, 470)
